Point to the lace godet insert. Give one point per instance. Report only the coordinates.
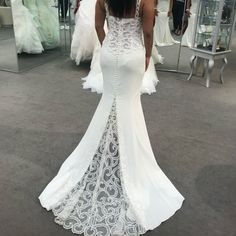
(98, 205)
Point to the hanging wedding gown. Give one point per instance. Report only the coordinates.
(33, 8)
(111, 184)
(85, 46)
(48, 20)
(27, 36)
(84, 38)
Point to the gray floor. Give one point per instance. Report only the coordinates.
(45, 112)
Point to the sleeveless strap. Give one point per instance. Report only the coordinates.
(137, 8)
(136, 11)
(106, 8)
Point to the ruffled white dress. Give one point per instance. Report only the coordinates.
(33, 8)
(111, 184)
(27, 36)
(84, 38)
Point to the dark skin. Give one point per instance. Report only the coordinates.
(147, 14)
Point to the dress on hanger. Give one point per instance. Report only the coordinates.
(27, 36)
(33, 8)
(111, 184)
(49, 23)
(84, 38)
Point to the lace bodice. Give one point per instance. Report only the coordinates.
(124, 34)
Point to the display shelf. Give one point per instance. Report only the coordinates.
(213, 30)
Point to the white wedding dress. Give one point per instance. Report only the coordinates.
(84, 38)
(111, 184)
(94, 79)
(27, 36)
(188, 36)
(162, 33)
(32, 7)
(85, 46)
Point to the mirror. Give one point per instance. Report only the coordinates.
(36, 28)
(171, 42)
(188, 37)
(8, 57)
(36, 38)
(66, 19)
(173, 33)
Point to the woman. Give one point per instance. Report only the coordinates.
(85, 46)
(180, 9)
(111, 183)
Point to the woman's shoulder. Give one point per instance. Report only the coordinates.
(147, 2)
(101, 3)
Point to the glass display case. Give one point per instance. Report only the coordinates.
(213, 30)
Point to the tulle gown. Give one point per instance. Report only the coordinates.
(111, 184)
(49, 25)
(33, 8)
(27, 36)
(85, 46)
(84, 38)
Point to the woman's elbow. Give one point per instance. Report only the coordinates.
(148, 33)
(98, 27)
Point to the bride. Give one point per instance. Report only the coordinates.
(111, 183)
(85, 46)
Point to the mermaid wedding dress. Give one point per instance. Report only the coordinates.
(85, 46)
(162, 33)
(111, 184)
(188, 36)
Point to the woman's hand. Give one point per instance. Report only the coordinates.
(188, 12)
(147, 61)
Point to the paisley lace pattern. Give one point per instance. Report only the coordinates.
(124, 34)
(98, 205)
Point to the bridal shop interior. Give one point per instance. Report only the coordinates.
(51, 83)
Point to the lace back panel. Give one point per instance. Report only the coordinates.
(124, 34)
(98, 204)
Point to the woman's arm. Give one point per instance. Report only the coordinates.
(100, 16)
(148, 16)
(188, 6)
(170, 8)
